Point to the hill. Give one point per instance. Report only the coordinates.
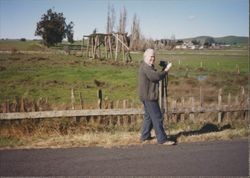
(226, 39)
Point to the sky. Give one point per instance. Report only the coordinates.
(158, 18)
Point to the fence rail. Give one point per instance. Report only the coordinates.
(112, 112)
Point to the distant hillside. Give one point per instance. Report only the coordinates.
(226, 39)
(232, 40)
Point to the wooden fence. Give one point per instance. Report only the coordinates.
(39, 109)
(112, 112)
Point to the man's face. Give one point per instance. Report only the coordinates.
(152, 60)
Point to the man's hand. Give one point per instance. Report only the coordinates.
(168, 66)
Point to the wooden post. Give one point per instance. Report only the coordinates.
(89, 48)
(125, 118)
(116, 48)
(118, 117)
(219, 105)
(191, 101)
(228, 104)
(82, 45)
(99, 104)
(106, 46)
(201, 98)
(229, 99)
(110, 47)
(242, 97)
(81, 101)
(174, 116)
(21, 105)
(95, 48)
(92, 45)
(123, 51)
(72, 99)
(99, 49)
(99, 95)
(182, 105)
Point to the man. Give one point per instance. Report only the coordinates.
(149, 94)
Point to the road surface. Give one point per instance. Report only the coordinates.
(217, 158)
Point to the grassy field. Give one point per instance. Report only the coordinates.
(52, 75)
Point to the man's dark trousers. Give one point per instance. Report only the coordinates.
(153, 119)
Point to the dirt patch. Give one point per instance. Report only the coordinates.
(200, 69)
(38, 59)
(2, 68)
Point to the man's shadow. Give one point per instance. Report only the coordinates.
(207, 128)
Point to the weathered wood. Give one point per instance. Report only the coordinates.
(116, 47)
(81, 101)
(99, 96)
(201, 97)
(117, 112)
(72, 99)
(219, 105)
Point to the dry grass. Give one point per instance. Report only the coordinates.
(66, 132)
(116, 139)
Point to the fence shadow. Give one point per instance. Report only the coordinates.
(206, 128)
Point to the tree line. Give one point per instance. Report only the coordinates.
(53, 28)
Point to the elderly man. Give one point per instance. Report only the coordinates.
(149, 94)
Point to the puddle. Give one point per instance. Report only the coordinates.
(201, 77)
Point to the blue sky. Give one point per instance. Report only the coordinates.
(158, 18)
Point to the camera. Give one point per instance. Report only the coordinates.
(163, 64)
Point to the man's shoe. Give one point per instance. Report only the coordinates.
(148, 140)
(168, 143)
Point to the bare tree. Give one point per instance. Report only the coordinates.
(110, 19)
(122, 21)
(135, 34)
(172, 41)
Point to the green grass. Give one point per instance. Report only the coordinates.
(53, 75)
(29, 45)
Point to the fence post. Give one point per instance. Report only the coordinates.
(191, 101)
(125, 118)
(72, 99)
(118, 117)
(228, 104)
(81, 101)
(174, 116)
(242, 97)
(99, 95)
(201, 98)
(183, 105)
(21, 105)
(219, 105)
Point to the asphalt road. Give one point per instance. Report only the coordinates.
(218, 158)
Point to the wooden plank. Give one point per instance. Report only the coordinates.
(69, 113)
(103, 112)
